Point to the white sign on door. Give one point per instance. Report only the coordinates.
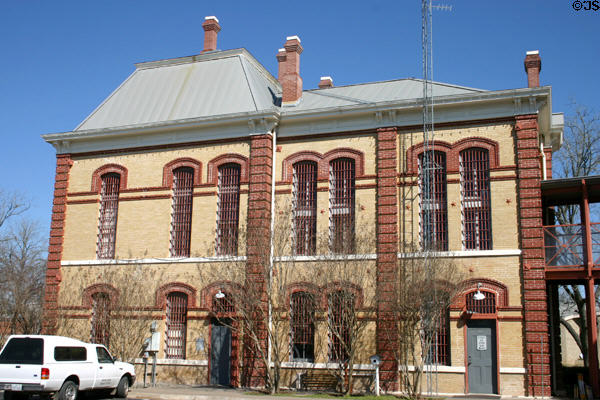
(481, 343)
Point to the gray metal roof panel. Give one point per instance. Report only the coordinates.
(226, 83)
(375, 92)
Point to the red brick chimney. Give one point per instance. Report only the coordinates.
(211, 28)
(533, 66)
(326, 82)
(289, 69)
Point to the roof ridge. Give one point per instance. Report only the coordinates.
(398, 80)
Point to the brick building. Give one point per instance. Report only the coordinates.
(189, 152)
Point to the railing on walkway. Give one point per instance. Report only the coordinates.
(564, 245)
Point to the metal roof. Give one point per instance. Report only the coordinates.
(211, 84)
(570, 190)
(375, 92)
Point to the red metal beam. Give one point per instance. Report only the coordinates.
(590, 295)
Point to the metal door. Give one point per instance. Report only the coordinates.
(220, 357)
(481, 353)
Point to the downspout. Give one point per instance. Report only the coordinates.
(271, 255)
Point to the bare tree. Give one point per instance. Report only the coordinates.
(22, 267)
(118, 302)
(579, 156)
(426, 288)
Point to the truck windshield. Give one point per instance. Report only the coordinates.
(23, 351)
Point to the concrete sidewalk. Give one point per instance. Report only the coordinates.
(181, 392)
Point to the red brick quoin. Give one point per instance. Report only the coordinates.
(387, 259)
(57, 225)
(532, 244)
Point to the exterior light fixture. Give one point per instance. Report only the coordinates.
(219, 294)
(478, 295)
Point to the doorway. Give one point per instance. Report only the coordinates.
(220, 354)
(481, 356)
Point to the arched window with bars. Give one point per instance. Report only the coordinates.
(109, 207)
(228, 209)
(304, 207)
(433, 201)
(302, 326)
(342, 177)
(181, 219)
(481, 302)
(176, 325)
(100, 329)
(474, 164)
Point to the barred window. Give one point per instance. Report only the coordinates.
(302, 313)
(222, 303)
(181, 219)
(100, 332)
(487, 305)
(475, 195)
(434, 208)
(341, 205)
(439, 342)
(228, 209)
(109, 207)
(341, 315)
(176, 325)
(305, 207)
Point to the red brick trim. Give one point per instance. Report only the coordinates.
(164, 290)
(452, 153)
(331, 287)
(215, 163)
(322, 161)
(307, 287)
(87, 300)
(178, 163)
(490, 285)
(53, 267)
(105, 169)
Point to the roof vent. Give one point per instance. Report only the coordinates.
(211, 29)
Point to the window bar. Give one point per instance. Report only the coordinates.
(100, 333)
(341, 205)
(305, 207)
(476, 203)
(302, 326)
(223, 304)
(485, 306)
(341, 310)
(176, 325)
(228, 209)
(181, 221)
(109, 206)
(434, 208)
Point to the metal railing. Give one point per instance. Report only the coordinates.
(564, 245)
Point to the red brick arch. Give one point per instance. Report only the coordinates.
(178, 163)
(452, 151)
(213, 166)
(322, 161)
(209, 291)
(489, 285)
(87, 299)
(164, 290)
(105, 169)
(335, 286)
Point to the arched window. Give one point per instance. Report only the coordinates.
(109, 207)
(433, 196)
(341, 318)
(176, 321)
(101, 307)
(222, 302)
(302, 326)
(341, 205)
(476, 201)
(305, 207)
(181, 220)
(228, 209)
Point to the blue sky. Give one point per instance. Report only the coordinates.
(60, 59)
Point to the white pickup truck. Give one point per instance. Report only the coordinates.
(59, 367)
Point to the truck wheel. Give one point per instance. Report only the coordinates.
(68, 391)
(123, 388)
